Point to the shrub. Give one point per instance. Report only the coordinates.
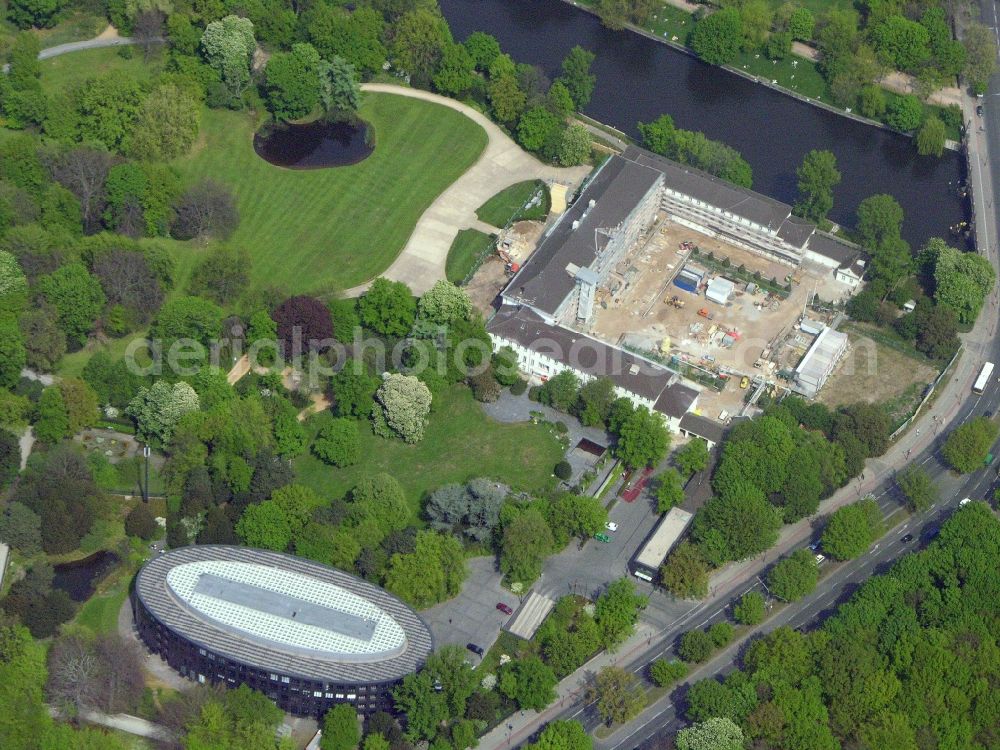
(518, 387)
(561, 427)
(563, 470)
(338, 443)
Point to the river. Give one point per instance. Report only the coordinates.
(638, 79)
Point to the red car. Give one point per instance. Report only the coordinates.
(504, 608)
(632, 490)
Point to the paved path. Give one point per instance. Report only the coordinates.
(501, 164)
(107, 38)
(27, 442)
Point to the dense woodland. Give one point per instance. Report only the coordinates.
(909, 663)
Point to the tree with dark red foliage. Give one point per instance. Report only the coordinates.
(303, 319)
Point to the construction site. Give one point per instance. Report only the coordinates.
(732, 320)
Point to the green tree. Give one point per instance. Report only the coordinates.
(618, 698)
(962, 280)
(575, 146)
(456, 71)
(526, 542)
(643, 440)
(291, 82)
(77, 297)
(340, 728)
(80, 402)
(980, 55)
(157, 409)
(20, 526)
(444, 304)
(575, 515)
(695, 646)
(388, 308)
(561, 391)
(901, 43)
(353, 391)
(338, 443)
(872, 102)
(563, 734)
(931, 137)
(433, 572)
(852, 529)
(354, 36)
(749, 610)
(419, 41)
(382, 499)
(141, 523)
(53, 421)
(265, 525)
(536, 128)
(665, 673)
(692, 458)
(685, 572)
(719, 733)
(13, 355)
(818, 176)
(187, 318)
(529, 682)
(967, 446)
(917, 487)
(483, 48)
(594, 402)
(339, 90)
(228, 45)
(403, 405)
(801, 24)
(669, 490)
(617, 612)
(504, 366)
(576, 76)
(794, 576)
(109, 105)
(506, 98)
(904, 113)
(166, 125)
(717, 37)
(737, 525)
(40, 14)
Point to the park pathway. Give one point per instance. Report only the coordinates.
(501, 164)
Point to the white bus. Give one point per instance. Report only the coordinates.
(984, 378)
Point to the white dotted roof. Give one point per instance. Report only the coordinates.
(292, 610)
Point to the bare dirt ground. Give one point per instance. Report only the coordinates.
(875, 373)
(491, 277)
(640, 312)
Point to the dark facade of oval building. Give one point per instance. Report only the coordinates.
(228, 615)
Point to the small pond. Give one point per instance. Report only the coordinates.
(80, 577)
(315, 145)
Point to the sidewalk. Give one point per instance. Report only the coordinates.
(520, 726)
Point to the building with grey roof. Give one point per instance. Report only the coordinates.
(306, 635)
(544, 350)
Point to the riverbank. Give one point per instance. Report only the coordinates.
(673, 21)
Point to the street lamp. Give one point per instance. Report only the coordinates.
(145, 489)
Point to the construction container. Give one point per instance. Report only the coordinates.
(682, 281)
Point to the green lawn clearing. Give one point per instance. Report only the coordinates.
(460, 443)
(67, 70)
(506, 205)
(467, 248)
(312, 230)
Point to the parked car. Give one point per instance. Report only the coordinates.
(477, 650)
(744, 382)
(602, 538)
(979, 110)
(504, 608)
(964, 501)
(907, 539)
(820, 557)
(611, 526)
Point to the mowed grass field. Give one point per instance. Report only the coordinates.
(321, 229)
(460, 443)
(311, 230)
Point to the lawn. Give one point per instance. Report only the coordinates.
(460, 443)
(313, 230)
(464, 253)
(505, 206)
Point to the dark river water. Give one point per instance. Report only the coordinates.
(638, 79)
